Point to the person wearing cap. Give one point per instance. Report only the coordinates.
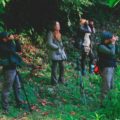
(8, 47)
(107, 62)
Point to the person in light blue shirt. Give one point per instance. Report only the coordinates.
(57, 53)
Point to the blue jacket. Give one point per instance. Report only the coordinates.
(56, 48)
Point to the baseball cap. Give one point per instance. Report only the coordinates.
(106, 35)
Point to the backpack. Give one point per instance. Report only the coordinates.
(97, 67)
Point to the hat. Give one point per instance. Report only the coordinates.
(4, 34)
(106, 35)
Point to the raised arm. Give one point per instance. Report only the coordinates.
(5, 50)
(106, 50)
(85, 29)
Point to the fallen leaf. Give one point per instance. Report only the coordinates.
(45, 113)
(64, 100)
(44, 102)
(72, 113)
(37, 110)
(50, 103)
(34, 107)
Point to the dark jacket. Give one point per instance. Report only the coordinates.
(8, 50)
(106, 55)
(82, 30)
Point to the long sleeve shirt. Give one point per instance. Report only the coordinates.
(7, 50)
(56, 48)
(107, 55)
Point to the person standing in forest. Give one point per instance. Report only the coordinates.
(57, 53)
(85, 30)
(9, 45)
(107, 62)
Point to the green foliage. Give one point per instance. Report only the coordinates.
(73, 9)
(2, 11)
(76, 5)
(2, 5)
(110, 3)
(98, 117)
(63, 102)
(113, 3)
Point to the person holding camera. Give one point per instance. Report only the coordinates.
(107, 62)
(9, 45)
(57, 53)
(85, 30)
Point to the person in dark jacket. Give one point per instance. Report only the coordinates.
(8, 47)
(85, 31)
(107, 62)
(57, 53)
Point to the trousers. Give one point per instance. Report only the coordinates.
(54, 78)
(11, 80)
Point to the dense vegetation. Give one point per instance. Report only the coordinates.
(31, 20)
(24, 14)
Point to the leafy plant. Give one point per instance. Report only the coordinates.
(2, 5)
(98, 117)
(73, 9)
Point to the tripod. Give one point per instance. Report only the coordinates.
(80, 78)
(23, 88)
